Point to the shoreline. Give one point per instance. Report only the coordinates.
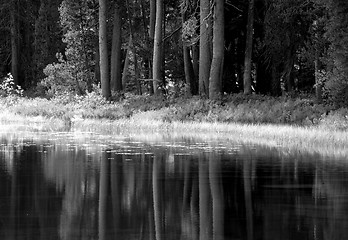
(288, 138)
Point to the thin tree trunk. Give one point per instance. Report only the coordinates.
(204, 47)
(188, 66)
(195, 63)
(97, 64)
(147, 58)
(157, 49)
(126, 64)
(103, 48)
(318, 84)
(135, 58)
(116, 79)
(152, 36)
(14, 42)
(216, 71)
(248, 49)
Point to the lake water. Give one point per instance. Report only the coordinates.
(88, 186)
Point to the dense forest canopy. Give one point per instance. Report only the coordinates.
(195, 47)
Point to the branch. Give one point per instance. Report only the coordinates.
(171, 34)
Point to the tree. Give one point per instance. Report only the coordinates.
(116, 80)
(338, 54)
(248, 49)
(48, 36)
(188, 65)
(157, 52)
(204, 47)
(215, 80)
(103, 49)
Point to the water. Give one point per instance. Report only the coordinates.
(88, 186)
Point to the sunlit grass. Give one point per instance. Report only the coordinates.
(308, 139)
(194, 118)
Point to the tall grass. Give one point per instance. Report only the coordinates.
(285, 122)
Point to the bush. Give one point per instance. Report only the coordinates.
(9, 88)
(335, 120)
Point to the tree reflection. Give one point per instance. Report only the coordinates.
(65, 192)
(217, 196)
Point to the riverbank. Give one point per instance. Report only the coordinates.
(237, 108)
(278, 122)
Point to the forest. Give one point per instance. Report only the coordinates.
(251, 51)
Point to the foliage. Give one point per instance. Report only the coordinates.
(335, 120)
(62, 77)
(338, 53)
(232, 109)
(9, 88)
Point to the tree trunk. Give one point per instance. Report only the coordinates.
(157, 49)
(126, 64)
(152, 36)
(195, 62)
(275, 81)
(14, 42)
(135, 58)
(216, 71)
(248, 49)
(188, 66)
(204, 47)
(103, 51)
(318, 83)
(146, 63)
(152, 19)
(116, 79)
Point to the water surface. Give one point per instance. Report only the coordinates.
(88, 186)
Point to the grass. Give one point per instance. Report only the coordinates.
(296, 124)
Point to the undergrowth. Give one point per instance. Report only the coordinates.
(254, 109)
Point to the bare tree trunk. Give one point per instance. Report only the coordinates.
(216, 71)
(126, 64)
(147, 59)
(188, 66)
(204, 47)
(248, 49)
(135, 58)
(103, 49)
(116, 79)
(157, 49)
(318, 84)
(195, 62)
(152, 36)
(97, 65)
(14, 42)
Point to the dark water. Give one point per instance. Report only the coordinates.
(59, 187)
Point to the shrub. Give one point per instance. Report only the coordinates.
(9, 88)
